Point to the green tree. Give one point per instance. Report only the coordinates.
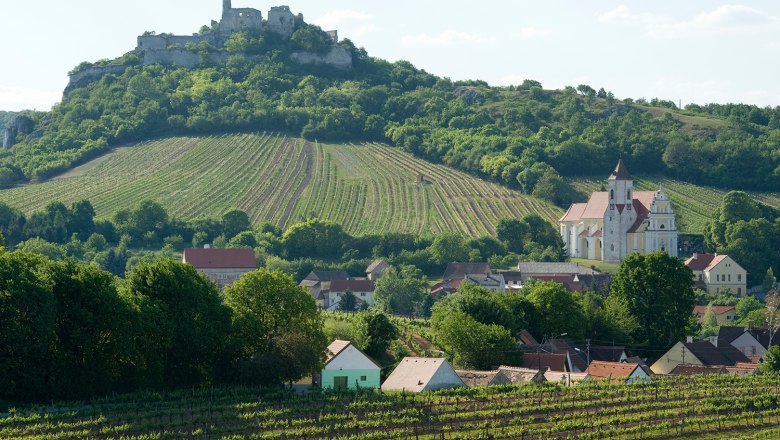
(27, 326)
(659, 292)
(475, 345)
(771, 364)
(484, 306)
(269, 305)
(184, 328)
(348, 302)
(709, 323)
(513, 233)
(769, 280)
(314, 238)
(375, 333)
(235, 222)
(93, 353)
(401, 292)
(558, 309)
(746, 305)
(449, 248)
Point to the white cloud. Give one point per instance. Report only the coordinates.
(532, 32)
(347, 21)
(17, 98)
(447, 37)
(725, 19)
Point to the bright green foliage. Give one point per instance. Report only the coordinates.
(709, 323)
(267, 306)
(558, 309)
(183, 322)
(401, 292)
(659, 292)
(375, 332)
(314, 238)
(484, 306)
(234, 222)
(448, 247)
(475, 345)
(746, 305)
(771, 364)
(769, 280)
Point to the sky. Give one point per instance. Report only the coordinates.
(694, 51)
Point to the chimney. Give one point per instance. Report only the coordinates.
(689, 339)
(206, 246)
(695, 256)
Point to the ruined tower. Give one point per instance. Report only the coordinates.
(226, 6)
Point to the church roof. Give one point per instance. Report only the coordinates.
(620, 172)
(599, 203)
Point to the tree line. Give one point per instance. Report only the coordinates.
(71, 330)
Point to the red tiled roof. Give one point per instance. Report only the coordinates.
(545, 361)
(704, 261)
(719, 310)
(603, 369)
(574, 213)
(527, 338)
(220, 258)
(352, 285)
(335, 348)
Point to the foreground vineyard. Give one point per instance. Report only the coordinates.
(692, 204)
(366, 188)
(704, 407)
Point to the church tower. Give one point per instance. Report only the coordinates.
(661, 227)
(620, 215)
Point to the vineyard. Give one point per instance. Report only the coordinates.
(367, 188)
(713, 407)
(693, 205)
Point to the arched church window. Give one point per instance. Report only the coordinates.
(612, 194)
(663, 226)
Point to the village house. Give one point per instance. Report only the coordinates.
(478, 274)
(725, 315)
(318, 283)
(716, 273)
(221, 266)
(376, 269)
(502, 376)
(418, 375)
(621, 372)
(698, 353)
(362, 289)
(347, 367)
(566, 379)
(753, 342)
(620, 221)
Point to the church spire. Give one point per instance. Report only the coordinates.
(620, 173)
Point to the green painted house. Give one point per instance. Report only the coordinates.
(349, 368)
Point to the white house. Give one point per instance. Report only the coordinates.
(347, 367)
(422, 374)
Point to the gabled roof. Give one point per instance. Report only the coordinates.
(545, 361)
(606, 353)
(579, 283)
(727, 335)
(327, 275)
(604, 369)
(446, 286)
(484, 279)
(415, 374)
(377, 265)
(459, 270)
(691, 370)
(201, 258)
(527, 338)
(718, 310)
(762, 336)
(481, 378)
(641, 206)
(335, 348)
(708, 354)
(352, 286)
(703, 262)
(574, 212)
(517, 375)
(620, 172)
(565, 345)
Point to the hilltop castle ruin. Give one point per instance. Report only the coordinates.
(172, 49)
(181, 50)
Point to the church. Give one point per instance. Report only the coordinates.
(618, 222)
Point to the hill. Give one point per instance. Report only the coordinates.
(368, 188)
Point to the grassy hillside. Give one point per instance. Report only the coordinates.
(693, 204)
(367, 188)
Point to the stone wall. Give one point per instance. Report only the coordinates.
(181, 57)
(281, 21)
(92, 74)
(242, 19)
(338, 57)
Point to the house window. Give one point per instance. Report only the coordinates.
(363, 294)
(739, 277)
(663, 226)
(362, 378)
(729, 277)
(700, 277)
(628, 195)
(612, 194)
(739, 291)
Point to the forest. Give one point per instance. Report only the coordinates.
(522, 136)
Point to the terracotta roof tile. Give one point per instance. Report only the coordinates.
(604, 369)
(704, 261)
(719, 310)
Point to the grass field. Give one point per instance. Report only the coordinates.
(711, 407)
(692, 204)
(367, 188)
